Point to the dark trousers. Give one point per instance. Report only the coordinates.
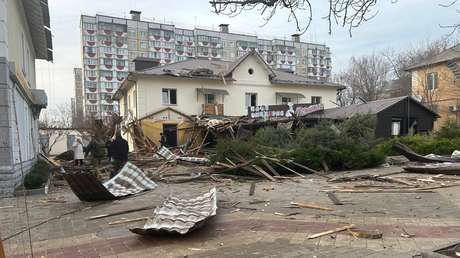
(117, 165)
(78, 162)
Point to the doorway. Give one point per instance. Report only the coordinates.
(170, 134)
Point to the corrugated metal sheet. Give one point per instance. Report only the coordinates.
(181, 216)
(130, 180)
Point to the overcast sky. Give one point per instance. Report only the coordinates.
(401, 25)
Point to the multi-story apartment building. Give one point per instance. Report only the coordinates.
(24, 37)
(110, 44)
(78, 101)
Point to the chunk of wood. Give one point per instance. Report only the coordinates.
(311, 206)
(252, 189)
(310, 170)
(332, 231)
(286, 214)
(334, 198)
(358, 233)
(117, 222)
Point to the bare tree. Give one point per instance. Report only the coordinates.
(366, 78)
(54, 124)
(346, 13)
(400, 61)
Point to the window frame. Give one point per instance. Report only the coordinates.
(168, 96)
(316, 102)
(434, 81)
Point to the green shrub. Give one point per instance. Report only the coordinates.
(273, 137)
(38, 175)
(449, 130)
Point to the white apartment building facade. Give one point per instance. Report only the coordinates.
(110, 44)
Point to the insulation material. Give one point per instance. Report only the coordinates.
(130, 180)
(181, 216)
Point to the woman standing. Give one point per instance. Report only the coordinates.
(78, 154)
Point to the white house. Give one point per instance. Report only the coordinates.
(24, 37)
(214, 87)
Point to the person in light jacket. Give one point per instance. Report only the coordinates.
(78, 154)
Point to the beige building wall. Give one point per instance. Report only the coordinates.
(149, 92)
(20, 46)
(447, 93)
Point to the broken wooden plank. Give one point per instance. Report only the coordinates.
(332, 231)
(334, 198)
(117, 222)
(310, 170)
(267, 165)
(289, 169)
(252, 189)
(263, 172)
(311, 206)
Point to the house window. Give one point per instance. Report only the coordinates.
(315, 100)
(209, 98)
(285, 100)
(251, 99)
(169, 96)
(250, 71)
(396, 127)
(431, 81)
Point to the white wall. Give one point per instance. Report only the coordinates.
(20, 46)
(189, 102)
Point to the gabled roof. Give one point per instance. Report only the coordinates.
(444, 56)
(371, 107)
(218, 70)
(166, 109)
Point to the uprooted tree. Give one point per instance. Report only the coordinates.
(347, 13)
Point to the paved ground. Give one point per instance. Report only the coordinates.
(244, 226)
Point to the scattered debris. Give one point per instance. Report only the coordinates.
(311, 206)
(130, 180)
(181, 216)
(286, 214)
(334, 198)
(406, 234)
(358, 233)
(438, 168)
(332, 231)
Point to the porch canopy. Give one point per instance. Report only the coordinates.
(211, 91)
(290, 95)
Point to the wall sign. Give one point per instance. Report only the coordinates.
(273, 111)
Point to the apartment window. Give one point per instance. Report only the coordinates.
(315, 100)
(169, 96)
(121, 62)
(251, 99)
(106, 61)
(431, 81)
(89, 37)
(91, 108)
(144, 44)
(285, 100)
(89, 61)
(92, 96)
(89, 26)
(90, 73)
(209, 98)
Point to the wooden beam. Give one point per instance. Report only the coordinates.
(2, 251)
(332, 231)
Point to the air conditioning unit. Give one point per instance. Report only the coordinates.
(453, 108)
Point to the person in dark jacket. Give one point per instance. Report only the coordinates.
(119, 153)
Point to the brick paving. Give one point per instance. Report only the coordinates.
(244, 226)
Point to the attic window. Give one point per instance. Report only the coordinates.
(250, 71)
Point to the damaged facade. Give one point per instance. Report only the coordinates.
(175, 92)
(24, 37)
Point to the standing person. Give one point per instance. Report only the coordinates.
(119, 153)
(162, 139)
(78, 154)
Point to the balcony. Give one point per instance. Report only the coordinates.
(213, 109)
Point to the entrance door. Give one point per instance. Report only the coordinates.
(170, 134)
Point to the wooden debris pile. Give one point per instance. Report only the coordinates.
(391, 183)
